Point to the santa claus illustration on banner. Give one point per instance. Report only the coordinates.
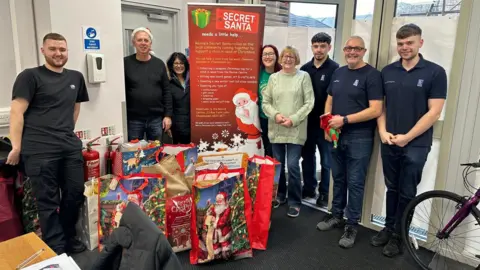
(248, 120)
(218, 217)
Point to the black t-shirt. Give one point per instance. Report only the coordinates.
(351, 91)
(407, 94)
(321, 77)
(49, 119)
(147, 88)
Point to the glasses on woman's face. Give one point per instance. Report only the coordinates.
(355, 49)
(289, 57)
(177, 64)
(267, 55)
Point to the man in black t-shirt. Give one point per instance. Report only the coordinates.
(320, 68)
(415, 92)
(147, 90)
(355, 99)
(44, 109)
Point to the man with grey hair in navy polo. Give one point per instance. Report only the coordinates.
(415, 92)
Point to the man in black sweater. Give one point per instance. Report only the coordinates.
(149, 103)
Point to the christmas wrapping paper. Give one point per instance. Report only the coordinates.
(221, 217)
(201, 17)
(146, 190)
(185, 154)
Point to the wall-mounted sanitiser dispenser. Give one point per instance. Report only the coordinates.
(96, 68)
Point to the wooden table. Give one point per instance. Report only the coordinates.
(16, 250)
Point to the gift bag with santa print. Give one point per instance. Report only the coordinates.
(261, 175)
(186, 154)
(221, 217)
(115, 192)
(248, 120)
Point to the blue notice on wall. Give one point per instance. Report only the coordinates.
(91, 38)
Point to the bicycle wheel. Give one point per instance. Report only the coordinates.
(452, 252)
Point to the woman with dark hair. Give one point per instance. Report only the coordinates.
(178, 68)
(268, 65)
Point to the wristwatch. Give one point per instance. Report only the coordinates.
(345, 120)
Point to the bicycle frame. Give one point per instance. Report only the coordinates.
(462, 213)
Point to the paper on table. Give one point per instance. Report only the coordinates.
(61, 262)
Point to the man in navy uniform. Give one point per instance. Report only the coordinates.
(415, 92)
(320, 68)
(355, 99)
(44, 109)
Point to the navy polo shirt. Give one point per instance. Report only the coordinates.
(351, 91)
(321, 78)
(407, 94)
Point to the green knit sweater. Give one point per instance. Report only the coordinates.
(292, 96)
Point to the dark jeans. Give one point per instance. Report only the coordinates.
(316, 138)
(294, 152)
(151, 129)
(266, 141)
(403, 169)
(350, 162)
(57, 185)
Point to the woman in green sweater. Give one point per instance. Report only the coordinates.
(268, 65)
(287, 101)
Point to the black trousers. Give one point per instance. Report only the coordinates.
(58, 186)
(181, 137)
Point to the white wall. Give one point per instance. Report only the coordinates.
(7, 56)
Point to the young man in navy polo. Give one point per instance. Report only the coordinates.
(321, 69)
(415, 91)
(355, 99)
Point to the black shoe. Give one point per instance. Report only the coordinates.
(75, 246)
(394, 246)
(308, 194)
(381, 238)
(348, 237)
(293, 211)
(278, 202)
(322, 200)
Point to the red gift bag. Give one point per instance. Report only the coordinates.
(179, 215)
(221, 216)
(261, 176)
(10, 225)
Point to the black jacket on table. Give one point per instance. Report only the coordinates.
(181, 106)
(137, 244)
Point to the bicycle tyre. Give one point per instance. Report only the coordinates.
(408, 214)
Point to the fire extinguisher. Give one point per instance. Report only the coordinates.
(91, 161)
(110, 155)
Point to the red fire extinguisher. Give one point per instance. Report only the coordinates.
(110, 155)
(91, 161)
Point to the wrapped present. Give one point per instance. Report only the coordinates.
(87, 224)
(263, 175)
(333, 133)
(115, 192)
(221, 217)
(201, 17)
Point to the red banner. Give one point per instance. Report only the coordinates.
(225, 47)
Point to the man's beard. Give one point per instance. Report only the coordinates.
(219, 208)
(53, 63)
(319, 57)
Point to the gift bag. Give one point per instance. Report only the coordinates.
(10, 225)
(87, 224)
(263, 175)
(185, 154)
(114, 192)
(221, 217)
(179, 215)
(179, 202)
(132, 156)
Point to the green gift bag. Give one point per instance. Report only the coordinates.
(201, 17)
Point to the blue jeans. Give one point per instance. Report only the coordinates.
(402, 168)
(350, 162)
(151, 129)
(294, 152)
(266, 141)
(316, 138)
